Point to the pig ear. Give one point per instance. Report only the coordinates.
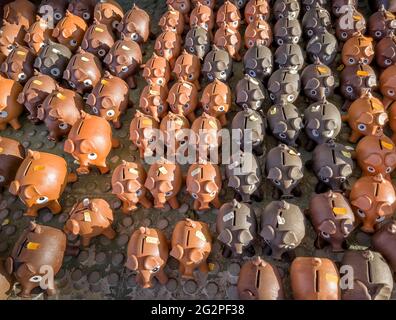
(275, 86)
(177, 252)
(274, 174)
(133, 185)
(69, 146)
(373, 159)
(118, 188)
(196, 255)
(363, 202)
(390, 159)
(245, 236)
(29, 191)
(312, 84)
(365, 117)
(14, 187)
(25, 270)
(290, 238)
(151, 261)
(328, 226)
(345, 170)
(280, 127)
(86, 146)
(73, 226)
(316, 47)
(225, 236)
(150, 183)
(207, 67)
(211, 186)
(21, 98)
(165, 186)
(267, 232)
(195, 186)
(313, 124)
(252, 179)
(108, 58)
(234, 182)
(9, 265)
(295, 173)
(132, 262)
(40, 113)
(325, 172)
(385, 209)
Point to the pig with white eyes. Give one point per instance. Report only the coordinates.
(322, 46)
(153, 101)
(289, 56)
(135, 25)
(314, 19)
(172, 20)
(109, 99)
(282, 227)
(230, 14)
(229, 39)
(285, 123)
(387, 84)
(82, 8)
(287, 31)
(385, 51)
(109, 12)
(356, 25)
(184, 6)
(188, 68)
(202, 16)
(123, 60)
(147, 254)
(381, 23)
(12, 154)
(257, 9)
(258, 32)
(156, 70)
(358, 50)
(38, 34)
(286, 9)
(217, 65)
(98, 39)
(197, 42)
(176, 137)
(210, 3)
(168, 45)
(285, 170)
(10, 34)
(284, 86)
(317, 81)
(250, 93)
(18, 65)
(183, 99)
(237, 227)
(258, 62)
(10, 108)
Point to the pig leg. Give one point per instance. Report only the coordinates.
(188, 272)
(216, 202)
(82, 170)
(223, 120)
(31, 212)
(145, 202)
(3, 126)
(115, 143)
(55, 207)
(109, 233)
(354, 136)
(15, 124)
(71, 177)
(346, 105)
(126, 209)
(237, 56)
(162, 277)
(204, 268)
(85, 241)
(191, 117)
(51, 291)
(174, 203)
(104, 169)
(117, 124)
(25, 293)
(131, 82)
(387, 102)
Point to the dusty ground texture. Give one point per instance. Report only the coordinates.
(98, 272)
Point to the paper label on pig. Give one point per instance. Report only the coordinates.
(60, 96)
(1, 150)
(38, 82)
(346, 154)
(253, 80)
(179, 122)
(196, 171)
(84, 59)
(87, 216)
(126, 48)
(38, 168)
(386, 145)
(253, 118)
(146, 122)
(212, 124)
(273, 111)
(187, 85)
(340, 67)
(228, 216)
(163, 170)
(200, 235)
(133, 171)
(377, 106)
(33, 245)
(331, 277)
(280, 220)
(21, 53)
(98, 29)
(54, 50)
(154, 92)
(362, 73)
(104, 82)
(292, 152)
(152, 240)
(339, 211)
(322, 70)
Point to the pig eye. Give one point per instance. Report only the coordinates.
(388, 62)
(378, 33)
(102, 52)
(277, 182)
(221, 108)
(86, 16)
(22, 76)
(155, 269)
(92, 156)
(290, 97)
(325, 234)
(169, 193)
(110, 113)
(73, 42)
(58, 16)
(124, 68)
(295, 39)
(3, 114)
(282, 135)
(111, 68)
(370, 169)
(310, 32)
(42, 200)
(342, 179)
(2, 179)
(134, 36)
(160, 81)
(235, 23)
(63, 126)
(191, 49)
(240, 3)
(251, 18)
(42, 45)
(380, 219)
(391, 92)
(36, 279)
(151, 140)
(362, 127)
(210, 76)
(365, 61)
(213, 193)
(206, 107)
(87, 82)
(313, 92)
(280, 42)
(223, 74)
(10, 47)
(71, 84)
(115, 24)
(139, 192)
(252, 73)
(95, 110)
(344, 35)
(208, 2)
(361, 213)
(182, 6)
(351, 60)
(315, 133)
(55, 72)
(388, 170)
(250, 43)
(349, 89)
(280, 15)
(194, 195)
(186, 106)
(190, 76)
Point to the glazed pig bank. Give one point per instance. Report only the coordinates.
(289, 56)
(164, 181)
(183, 99)
(184, 6)
(282, 227)
(10, 35)
(332, 219)
(20, 12)
(210, 3)
(332, 164)
(250, 125)
(172, 20)
(90, 218)
(191, 246)
(236, 226)
(384, 241)
(322, 46)
(286, 9)
(385, 51)
(322, 121)
(52, 60)
(128, 185)
(381, 23)
(197, 41)
(89, 142)
(229, 39)
(173, 127)
(285, 123)
(307, 5)
(202, 16)
(157, 70)
(98, 39)
(168, 45)
(60, 110)
(358, 50)
(366, 116)
(392, 120)
(387, 84)
(216, 100)
(258, 62)
(109, 12)
(188, 68)
(123, 60)
(338, 7)
(38, 248)
(287, 31)
(284, 86)
(70, 31)
(12, 154)
(83, 72)
(373, 200)
(217, 65)
(18, 65)
(317, 81)
(376, 154)
(59, 8)
(250, 93)
(153, 101)
(259, 280)
(82, 8)
(5, 282)
(256, 9)
(36, 89)
(38, 35)
(40, 182)
(258, 32)
(372, 277)
(314, 19)
(355, 25)
(244, 175)
(284, 169)
(10, 108)
(109, 99)
(142, 133)
(147, 254)
(135, 25)
(230, 14)
(314, 279)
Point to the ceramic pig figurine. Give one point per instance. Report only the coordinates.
(315, 18)
(285, 123)
(384, 241)
(366, 116)
(228, 13)
(376, 154)
(314, 279)
(135, 25)
(52, 60)
(282, 227)
(184, 6)
(38, 35)
(156, 70)
(286, 9)
(19, 12)
(258, 32)
(90, 218)
(147, 254)
(322, 46)
(191, 246)
(168, 45)
(284, 169)
(38, 248)
(217, 65)
(332, 218)
(373, 200)
(60, 110)
(164, 181)
(98, 39)
(355, 26)
(287, 31)
(40, 182)
(109, 99)
(256, 9)
(10, 34)
(172, 20)
(82, 8)
(90, 142)
(380, 23)
(123, 60)
(109, 12)
(250, 93)
(289, 56)
(237, 227)
(258, 62)
(284, 86)
(70, 31)
(392, 120)
(387, 84)
(128, 185)
(317, 80)
(59, 8)
(153, 102)
(338, 6)
(12, 154)
(5, 282)
(188, 68)
(216, 100)
(259, 280)
(229, 39)
(173, 127)
(197, 41)
(372, 277)
(36, 89)
(385, 51)
(203, 182)
(183, 99)
(358, 50)
(202, 16)
(10, 108)
(18, 65)
(210, 3)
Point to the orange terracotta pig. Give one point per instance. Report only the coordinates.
(188, 68)
(157, 70)
(172, 20)
(173, 127)
(229, 13)
(108, 12)
(38, 34)
(135, 25)
(358, 50)
(183, 99)
(168, 45)
(12, 154)
(10, 108)
(229, 39)
(387, 85)
(202, 16)
(153, 101)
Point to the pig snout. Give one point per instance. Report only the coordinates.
(146, 278)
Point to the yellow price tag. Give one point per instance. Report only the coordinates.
(1, 150)
(362, 73)
(339, 211)
(33, 245)
(163, 170)
(104, 82)
(38, 82)
(87, 216)
(346, 154)
(321, 69)
(152, 240)
(60, 96)
(39, 168)
(21, 53)
(386, 145)
(133, 171)
(331, 277)
(84, 59)
(98, 29)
